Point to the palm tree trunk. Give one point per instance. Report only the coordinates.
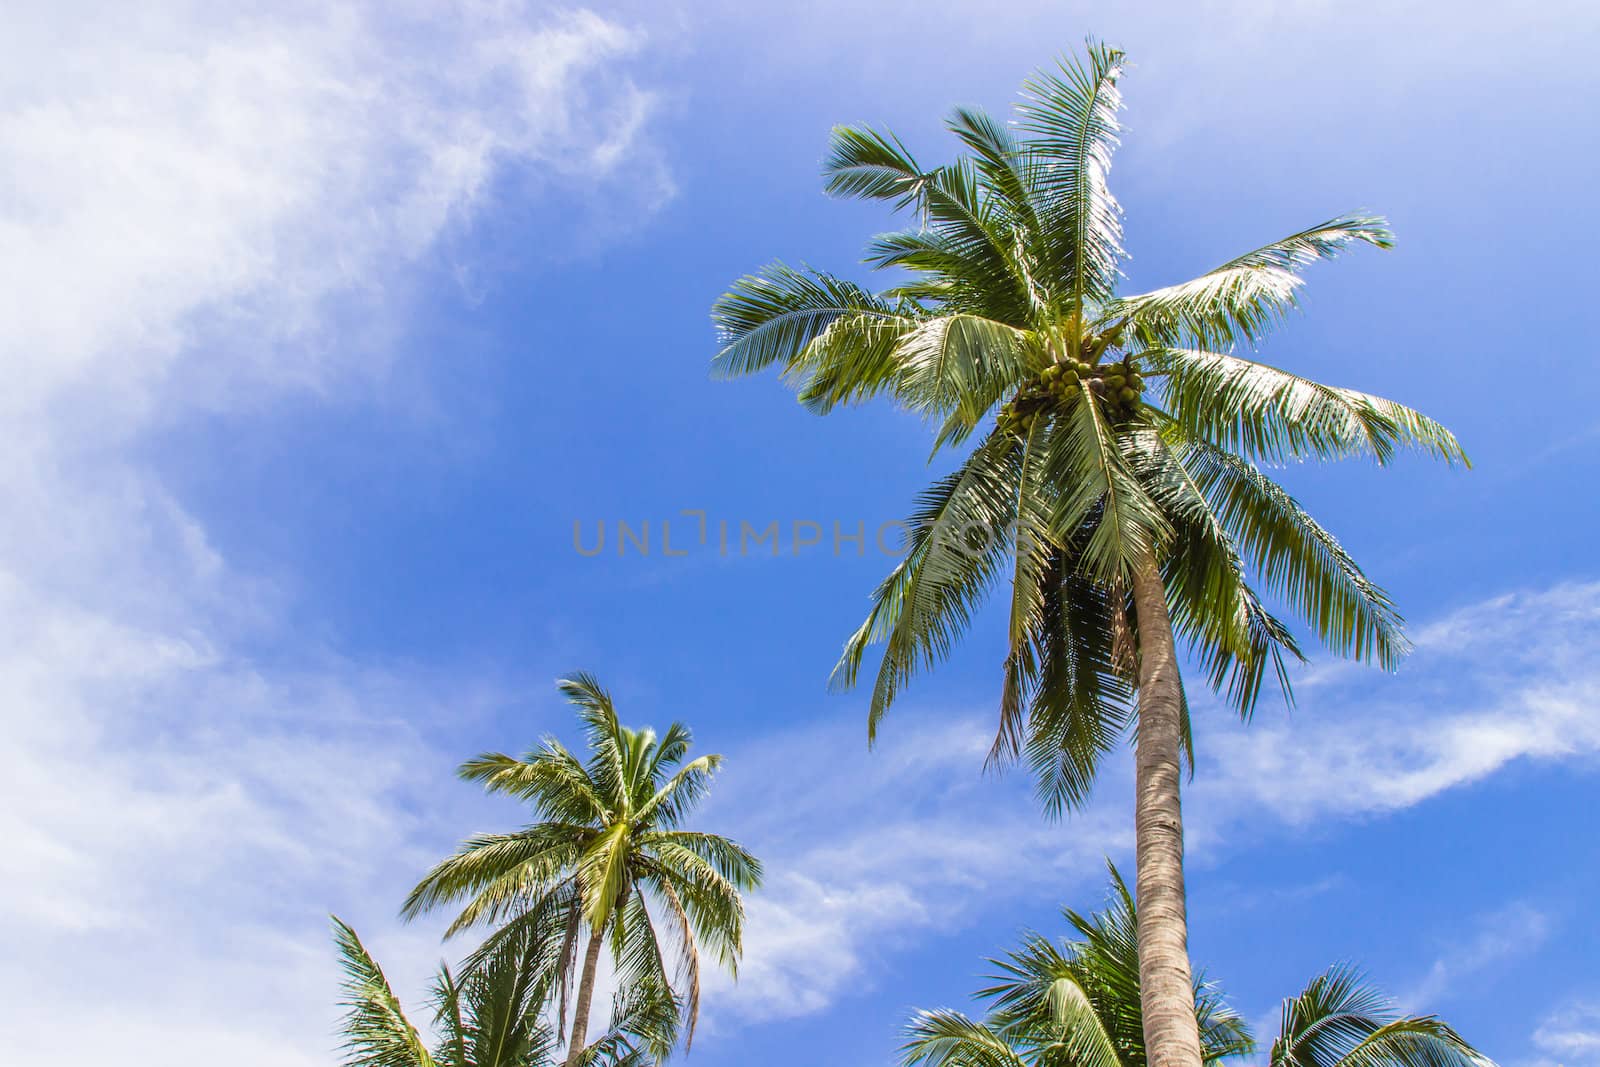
(1166, 992)
(580, 1018)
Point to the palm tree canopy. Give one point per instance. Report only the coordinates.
(607, 850)
(1104, 429)
(1075, 1003)
(493, 1016)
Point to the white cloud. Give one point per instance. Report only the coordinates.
(1514, 677)
(1509, 933)
(209, 207)
(182, 177)
(1571, 1034)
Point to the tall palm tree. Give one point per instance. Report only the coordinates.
(607, 853)
(1076, 1004)
(1123, 518)
(492, 1016)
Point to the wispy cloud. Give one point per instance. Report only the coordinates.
(197, 185)
(1570, 1035)
(1513, 932)
(211, 207)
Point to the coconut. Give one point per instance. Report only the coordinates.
(1128, 395)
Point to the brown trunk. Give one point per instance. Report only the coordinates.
(1166, 991)
(580, 1017)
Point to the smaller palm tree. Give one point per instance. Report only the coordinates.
(607, 853)
(1076, 1004)
(493, 1016)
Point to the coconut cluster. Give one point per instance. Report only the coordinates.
(1117, 386)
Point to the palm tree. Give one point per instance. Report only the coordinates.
(607, 854)
(1122, 519)
(493, 1016)
(1077, 1005)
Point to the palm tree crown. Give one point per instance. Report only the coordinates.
(492, 1016)
(608, 852)
(1106, 430)
(1076, 1004)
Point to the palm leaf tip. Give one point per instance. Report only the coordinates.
(871, 165)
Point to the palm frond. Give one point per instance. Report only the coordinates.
(870, 165)
(1339, 1020)
(551, 779)
(679, 794)
(1082, 705)
(1298, 559)
(775, 315)
(376, 1031)
(946, 1038)
(927, 600)
(956, 365)
(1099, 491)
(727, 857)
(1246, 297)
(1262, 412)
(498, 870)
(1072, 115)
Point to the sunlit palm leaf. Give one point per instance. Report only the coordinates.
(1246, 297)
(376, 1031)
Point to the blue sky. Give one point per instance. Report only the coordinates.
(323, 326)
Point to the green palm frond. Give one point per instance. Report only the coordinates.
(643, 1028)
(774, 316)
(376, 1031)
(1246, 297)
(1036, 560)
(969, 252)
(1097, 489)
(1072, 114)
(869, 165)
(1260, 411)
(928, 599)
(1082, 704)
(946, 1038)
(688, 976)
(498, 870)
(1009, 169)
(679, 794)
(957, 365)
(603, 873)
(728, 858)
(1339, 1020)
(1211, 602)
(1077, 1001)
(551, 779)
(712, 903)
(503, 999)
(1298, 559)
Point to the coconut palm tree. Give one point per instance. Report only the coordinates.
(492, 1016)
(1076, 1004)
(607, 854)
(1113, 471)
